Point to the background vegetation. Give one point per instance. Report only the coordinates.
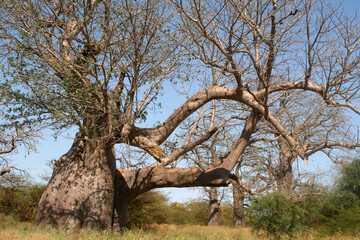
(336, 211)
(273, 215)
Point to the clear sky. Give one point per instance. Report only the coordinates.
(350, 6)
(49, 148)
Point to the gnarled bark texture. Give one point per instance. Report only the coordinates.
(80, 192)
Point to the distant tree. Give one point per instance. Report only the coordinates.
(178, 213)
(197, 212)
(188, 213)
(268, 162)
(318, 128)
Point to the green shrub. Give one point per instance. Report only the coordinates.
(197, 212)
(345, 222)
(336, 202)
(338, 211)
(19, 197)
(350, 179)
(276, 215)
(148, 208)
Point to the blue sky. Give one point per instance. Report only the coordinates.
(350, 6)
(49, 148)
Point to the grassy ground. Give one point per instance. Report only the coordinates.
(11, 229)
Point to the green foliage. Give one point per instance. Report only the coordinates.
(19, 197)
(350, 180)
(312, 210)
(152, 208)
(346, 222)
(178, 213)
(276, 215)
(336, 201)
(189, 213)
(341, 207)
(148, 208)
(335, 212)
(197, 212)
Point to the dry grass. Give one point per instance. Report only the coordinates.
(202, 232)
(10, 229)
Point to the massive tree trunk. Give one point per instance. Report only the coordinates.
(214, 207)
(80, 192)
(86, 186)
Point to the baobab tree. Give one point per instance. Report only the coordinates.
(270, 160)
(319, 128)
(99, 65)
(226, 40)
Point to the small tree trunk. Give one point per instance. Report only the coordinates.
(284, 181)
(80, 192)
(238, 199)
(284, 176)
(214, 208)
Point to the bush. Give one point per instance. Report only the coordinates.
(197, 212)
(148, 208)
(346, 222)
(192, 212)
(336, 202)
(341, 207)
(19, 197)
(178, 213)
(350, 179)
(276, 215)
(226, 214)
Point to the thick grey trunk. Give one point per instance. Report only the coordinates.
(80, 192)
(214, 208)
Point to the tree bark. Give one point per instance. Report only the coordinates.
(5, 170)
(80, 192)
(86, 187)
(238, 199)
(284, 175)
(214, 208)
